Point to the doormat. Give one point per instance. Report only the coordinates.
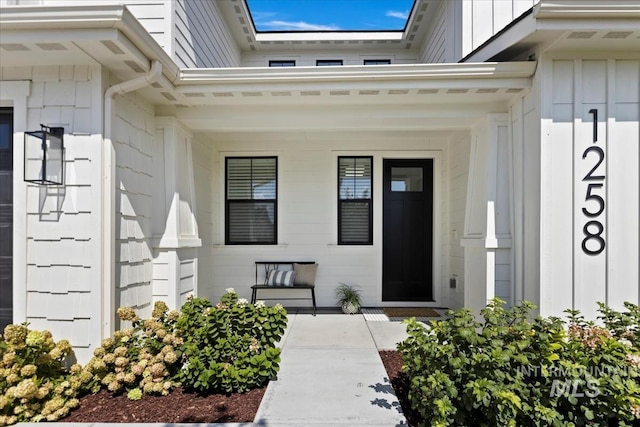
(410, 312)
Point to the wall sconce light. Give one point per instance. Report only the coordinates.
(44, 156)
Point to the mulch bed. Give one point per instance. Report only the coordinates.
(392, 361)
(181, 406)
(177, 407)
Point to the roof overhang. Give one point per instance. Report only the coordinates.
(417, 96)
(108, 35)
(393, 97)
(566, 25)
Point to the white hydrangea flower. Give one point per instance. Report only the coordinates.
(259, 304)
(230, 291)
(625, 342)
(242, 301)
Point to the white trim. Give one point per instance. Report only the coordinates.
(597, 9)
(443, 73)
(14, 94)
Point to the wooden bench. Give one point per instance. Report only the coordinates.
(262, 270)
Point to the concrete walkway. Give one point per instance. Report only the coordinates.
(331, 374)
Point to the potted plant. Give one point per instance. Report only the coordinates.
(348, 297)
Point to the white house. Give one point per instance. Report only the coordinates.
(490, 148)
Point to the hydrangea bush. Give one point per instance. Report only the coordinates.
(138, 360)
(229, 347)
(33, 377)
(512, 370)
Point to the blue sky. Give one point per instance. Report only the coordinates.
(329, 15)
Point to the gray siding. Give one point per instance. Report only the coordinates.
(435, 46)
(202, 39)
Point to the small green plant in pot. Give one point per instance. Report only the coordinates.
(349, 298)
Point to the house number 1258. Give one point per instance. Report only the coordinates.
(593, 242)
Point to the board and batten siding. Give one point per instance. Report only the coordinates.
(481, 19)
(307, 210)
(201, 36)
(62, 264)
(577, 172)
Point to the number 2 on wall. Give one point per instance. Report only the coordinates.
(593, 242)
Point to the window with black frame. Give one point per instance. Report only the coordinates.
(355, 200)
(251, 200)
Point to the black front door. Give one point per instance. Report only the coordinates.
(407, 253)
(6, 217)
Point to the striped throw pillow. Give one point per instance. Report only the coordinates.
(281, 277)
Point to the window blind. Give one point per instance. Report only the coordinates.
(355, 206)
(251, 200)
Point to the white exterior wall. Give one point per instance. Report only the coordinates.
(574, 85)
(307, 210)
(57, 254)
(525, 194)
(202, 38)
(208, 203)
(349, 57)
(132, 138)
(175, 231)
(487, 229)
(458, 176)
(481, 19)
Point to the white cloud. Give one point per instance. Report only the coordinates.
(294, 26)
(396, 14)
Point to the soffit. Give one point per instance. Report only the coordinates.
(238, 19)
(83, 35)
(567, 26)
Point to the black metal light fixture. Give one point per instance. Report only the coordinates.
(44, 156)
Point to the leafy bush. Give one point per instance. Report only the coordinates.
(514, 371)
(137, 360)
(33, 383)
(229, 347)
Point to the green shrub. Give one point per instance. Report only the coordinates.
(33, 382)
(136, 360)
(229, 347)
(515, 371)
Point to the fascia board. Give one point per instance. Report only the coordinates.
(590, 23)
(518, 32)
(596, 9)
(413, 72)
